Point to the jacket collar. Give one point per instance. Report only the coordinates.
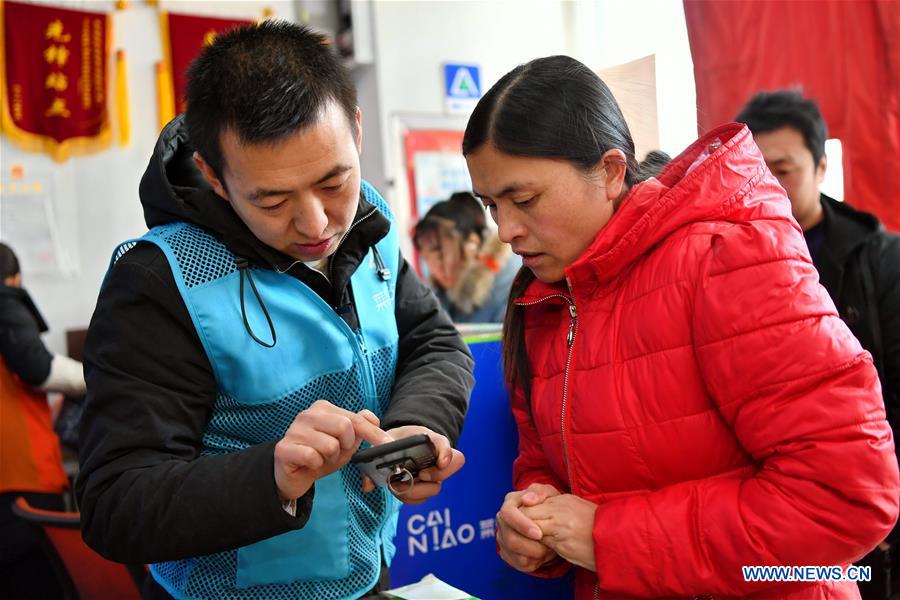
(845, 227)
(20, 295)
(846, 230)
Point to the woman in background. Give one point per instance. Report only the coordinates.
(471, 269)
(687, 398)
(30, 455)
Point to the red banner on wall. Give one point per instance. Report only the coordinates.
(54, 75)
(183, 38)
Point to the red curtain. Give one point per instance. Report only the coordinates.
(844, 54)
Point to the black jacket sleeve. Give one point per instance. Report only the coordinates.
(144, 491)
(889, 319)
(434, 367)
(21, 346)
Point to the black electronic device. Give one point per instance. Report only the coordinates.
(397, 464)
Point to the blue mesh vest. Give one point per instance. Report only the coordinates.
(317, 356)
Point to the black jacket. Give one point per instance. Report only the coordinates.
(21, 346)
(859, 265)
(145, 493)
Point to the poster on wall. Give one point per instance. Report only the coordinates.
(435, 169)
(437, 176)
(27, 220)
(54, 74)
(183, 38)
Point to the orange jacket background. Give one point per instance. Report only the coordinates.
(30, 456)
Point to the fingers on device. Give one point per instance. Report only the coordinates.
(396, 464)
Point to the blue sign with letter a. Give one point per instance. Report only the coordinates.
(462, 87)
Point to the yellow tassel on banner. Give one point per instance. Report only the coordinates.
(122, 108)
(121, 4)
(165, 102)
(267, 13)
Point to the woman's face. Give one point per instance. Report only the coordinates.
(441, 249)
(548, 210)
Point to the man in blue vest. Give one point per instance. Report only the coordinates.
(265, 326)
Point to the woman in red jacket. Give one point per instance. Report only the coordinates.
(688, 401)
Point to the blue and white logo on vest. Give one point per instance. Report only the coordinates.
(462, 87)
(382, 298)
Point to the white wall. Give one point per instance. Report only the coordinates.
(833, 184)
(97, 203)
(366, 79)
(414, 38)
(629, 29)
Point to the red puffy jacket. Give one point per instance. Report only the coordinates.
(711, 401)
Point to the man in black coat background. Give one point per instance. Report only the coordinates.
(857, 259)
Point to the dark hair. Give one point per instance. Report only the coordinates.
(557, 108)
(9, 264)
(653, 164)
(768, 111)
(462, 209)
(264, 82)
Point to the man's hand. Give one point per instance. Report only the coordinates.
(428, 482)
(320, 441)
(518, 536)
(567, 523)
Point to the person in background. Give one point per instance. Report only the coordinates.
(30, 455)
(471, 269)
(688, 401)
(653, 164)
(857, 260)
(266, 325)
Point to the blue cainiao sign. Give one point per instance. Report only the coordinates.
(452, 534)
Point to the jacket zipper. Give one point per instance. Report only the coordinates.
(368, 376)
(361, 349)
(344, 237)
(570, 341)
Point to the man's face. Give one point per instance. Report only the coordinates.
(300, 194)
(792, 164)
